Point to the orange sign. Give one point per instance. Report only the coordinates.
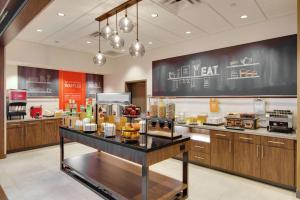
(71, 87)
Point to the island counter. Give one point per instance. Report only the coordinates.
(109, 173)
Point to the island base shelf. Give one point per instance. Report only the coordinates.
(115, 178)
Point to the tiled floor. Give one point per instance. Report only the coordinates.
(35, 175)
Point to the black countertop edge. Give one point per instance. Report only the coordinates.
(138, 148)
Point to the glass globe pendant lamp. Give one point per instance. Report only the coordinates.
(137, 48)
(99, 58)
(125, 24)
(107, 31)
(115, 40)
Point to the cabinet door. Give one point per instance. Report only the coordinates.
(15, 136)
(221, 153)
(33, 134)
(247, 158)
(50, 132)
(277, 165)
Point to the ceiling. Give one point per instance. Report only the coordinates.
(202, 18)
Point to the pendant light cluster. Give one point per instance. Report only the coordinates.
(125, 25)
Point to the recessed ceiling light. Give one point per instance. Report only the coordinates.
(150, 42)
(244, 17)
(188, 32)
(39, 30)
(88, 42)
(61, 14)
(154, 15)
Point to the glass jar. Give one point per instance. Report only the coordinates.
(161, 109)
(170, 109)
(153, 107)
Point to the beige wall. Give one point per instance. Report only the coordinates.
(42, 56)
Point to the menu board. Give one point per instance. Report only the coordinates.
(94, 85)
(38, 82)
(264, 68)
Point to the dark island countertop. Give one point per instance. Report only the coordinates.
(153, 143)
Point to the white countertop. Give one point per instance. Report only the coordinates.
(260, 131)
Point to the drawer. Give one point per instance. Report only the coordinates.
(247, 138)
(278, 142)
(14, 125)
(199, 158)
(198, 146)
(221, 135)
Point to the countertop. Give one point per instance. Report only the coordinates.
(153, 142)
(260, 131)
(31, 119)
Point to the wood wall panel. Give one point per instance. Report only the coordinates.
(298, 104)
(28, 12)
(2, 98)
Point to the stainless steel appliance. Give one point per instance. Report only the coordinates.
(280, 121)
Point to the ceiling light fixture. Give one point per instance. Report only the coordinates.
(126, 24)
(137, 48)
(244, 17)
(88, 42)
(150, 43)
(115, 40)
(39, 30)
(188, 32)
(99, 58)
(154, 15)
(60, 14)
(107, 31)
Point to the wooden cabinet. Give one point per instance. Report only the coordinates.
(200, 152)
(50, 130)
(247, 155)
(33, 134)
(278, 161)
(221, 150)
(15, 136)
(199, 158)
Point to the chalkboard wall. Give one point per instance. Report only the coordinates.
(264, 68)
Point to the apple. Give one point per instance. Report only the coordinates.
(133, 112)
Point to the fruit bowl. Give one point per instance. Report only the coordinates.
(131, 111)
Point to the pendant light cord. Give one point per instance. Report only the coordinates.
(137, 20)
(117, 22)
(99, 38)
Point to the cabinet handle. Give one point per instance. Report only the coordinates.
(200, 147)
(245, 138)
(257, 151)
(274, 142)
(222, 135)
(199, 157)
(262, 151)
(229, 146)
(32, 123)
